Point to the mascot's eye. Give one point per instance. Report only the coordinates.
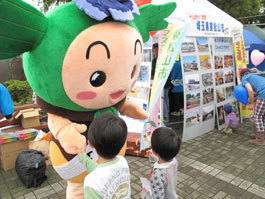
(98, 78)
(133, 71)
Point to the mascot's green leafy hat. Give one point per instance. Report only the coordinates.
(46, 39)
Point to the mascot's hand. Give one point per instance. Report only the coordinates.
(133, 110)
(68, 133)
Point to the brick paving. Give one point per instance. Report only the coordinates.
(213, 165)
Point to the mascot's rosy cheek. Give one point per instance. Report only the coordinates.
(87, 72)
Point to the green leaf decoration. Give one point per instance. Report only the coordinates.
(152, 18)
(22, 28)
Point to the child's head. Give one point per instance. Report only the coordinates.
(165, 143)
(228, 108)
(107, 133)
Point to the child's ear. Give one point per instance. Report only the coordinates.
(92, 146)
(22, 28)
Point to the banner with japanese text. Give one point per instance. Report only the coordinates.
(240, 59)
(170, 45)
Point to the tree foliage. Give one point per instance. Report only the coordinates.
(47, 4)
(20, 91)
(235, 8)
(243, 10)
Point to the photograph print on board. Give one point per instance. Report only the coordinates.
(193, 99)
(188, 45)
(192, 117)
(202, 44)
(221, 116)
(220, 94)
(147, 55)
(205, 62)
(207, 112)
(229, 76)
(207, 79)
(192, 82)
(228, 61)
(144, 74)
(208, 95)
(219, 78)
(218, 62)
(229, 92)
(190, 63)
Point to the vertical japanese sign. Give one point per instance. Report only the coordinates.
(170, 45)
(240, 58)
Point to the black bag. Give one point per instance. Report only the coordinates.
(30, 167)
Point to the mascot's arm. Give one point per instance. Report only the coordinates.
(132, 110)
(68, 133)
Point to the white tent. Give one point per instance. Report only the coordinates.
(203, 17)
(205, 21)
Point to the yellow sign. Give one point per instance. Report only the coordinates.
(240, 57)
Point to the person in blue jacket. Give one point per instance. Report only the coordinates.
(176, 95)
(6, 103)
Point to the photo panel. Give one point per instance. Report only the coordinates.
(143, 93)
(190, 63)
(139, 92)
(221, 115)
(229, 92)
(188, 45)
(234, 105)
(207, 112)
(208, 95)
(192, 82)
(207, 79)
(205, 62)
(220, 95)
(192, 117)
(144, 74)
(228, 61)
(218, 62)
(202, 44)
(229, 76)
(147, 55)
(193, 99)
(219, 78)
(223, 45)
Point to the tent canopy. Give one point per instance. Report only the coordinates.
(254, 37)
(252, 41)
(202, 14)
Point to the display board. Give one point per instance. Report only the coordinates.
(209, 80)
(141, 91)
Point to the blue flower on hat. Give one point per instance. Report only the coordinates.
(120, 10)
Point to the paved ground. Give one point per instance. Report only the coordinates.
(213, 165)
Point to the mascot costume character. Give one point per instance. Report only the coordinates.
(81, 59)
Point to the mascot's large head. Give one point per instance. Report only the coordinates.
(83, 55)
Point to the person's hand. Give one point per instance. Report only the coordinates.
(250, 106)
(142, 192)
(151, 154)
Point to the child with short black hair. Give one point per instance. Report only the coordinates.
(231, 119)
(110, 177)
(163, 176)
